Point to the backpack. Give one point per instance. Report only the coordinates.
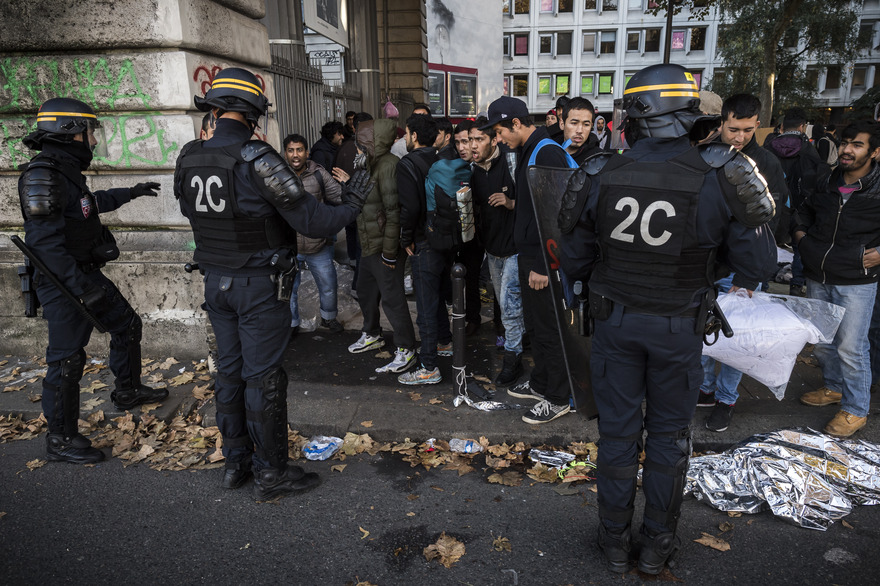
(449, 220)
(832, 151)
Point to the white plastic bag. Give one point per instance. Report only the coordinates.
(769, 331)
(465, 203)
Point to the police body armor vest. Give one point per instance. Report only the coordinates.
(85, 238)
(224, 236)
(647, 218)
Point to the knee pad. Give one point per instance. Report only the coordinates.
(273, 385)
(682, 441)
(135, 329)
(72, 368)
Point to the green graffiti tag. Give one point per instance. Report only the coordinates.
(26, 82)
(137, 139)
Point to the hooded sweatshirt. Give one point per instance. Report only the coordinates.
(379, 221)
(800, 163)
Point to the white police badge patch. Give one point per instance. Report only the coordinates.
(86, 205)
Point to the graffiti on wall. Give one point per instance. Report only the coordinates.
(135, 140)
(26, 82)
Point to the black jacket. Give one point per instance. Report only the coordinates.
(411, 173)
(323, 152)
(800, 163)
(495, 223)
(771, 169)
(525, 229)
(838, 234)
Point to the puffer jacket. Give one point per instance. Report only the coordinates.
(838, 234)
(325, 189)
(379, 221)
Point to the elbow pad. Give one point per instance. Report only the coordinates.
(43, 191)
(284, 185)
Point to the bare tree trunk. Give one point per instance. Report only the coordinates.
(768, 67)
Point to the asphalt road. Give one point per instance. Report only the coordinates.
(65, 524)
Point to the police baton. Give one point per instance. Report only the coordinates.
(41, 266)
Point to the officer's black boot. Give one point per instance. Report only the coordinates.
(128, 397)
(657, 551)
(237, 474)
(272, 482)
(76, 449)
(511, 369)
(617, 547)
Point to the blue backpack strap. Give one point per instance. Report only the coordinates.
(549, 141)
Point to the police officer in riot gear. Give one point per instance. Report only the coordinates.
(244, 204)
(63, 229)
(651, 231)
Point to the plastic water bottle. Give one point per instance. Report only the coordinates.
(465, 446)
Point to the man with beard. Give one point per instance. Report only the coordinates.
(837, 230)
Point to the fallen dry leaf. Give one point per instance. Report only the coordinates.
(95, 385)
(34, 464)
(383, 354)
(482, 378)
(725, 526)
(435, 401)
(448, 549)
(169, 362)
(410, 514)
(365, 532)
(734, 514)
(16, 388)
(501, 544)
(202, 392)
(182, 379)
(92, 403)
(847, 525)
(509, 478)
(2, 513)
(412, 497)
(713, 542)
(338, 467)
(414, 396)
(368, 423)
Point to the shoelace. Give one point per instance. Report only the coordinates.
(542, 408)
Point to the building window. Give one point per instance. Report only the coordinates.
(609, 42)
(606, 83)
(634, 5)
(588, 85)
(556, 6)
(812, 77)
(553, 84)
(698, 77)
(590, 5)
(609, 5)
(832, 78)
(589, 42)
(790, 38)
(521, 85)
(512, 7)
(859, 76)
(556, 43)
(698, 39)
(506, 46)
(633, 41)
(521, 44)
(652, 40)
(678, 40)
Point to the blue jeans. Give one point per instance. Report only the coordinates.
(320, 264)
(797, 268)
(429, 269)
(846, 363)
(725, 384)
(505, 281)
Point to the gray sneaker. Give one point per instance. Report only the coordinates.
(524, 391)
(545, 411)
(366, 343)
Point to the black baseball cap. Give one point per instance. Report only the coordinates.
(505, 108)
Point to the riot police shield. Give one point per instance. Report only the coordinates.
(547, 186)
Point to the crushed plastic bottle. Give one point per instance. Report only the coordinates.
(321, 447)
(465, 446)
(552, 459)
(429, 445)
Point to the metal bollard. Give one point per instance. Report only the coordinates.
(458, 325)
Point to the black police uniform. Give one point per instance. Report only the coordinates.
(649, 230)
(62, 227)
(239, 224)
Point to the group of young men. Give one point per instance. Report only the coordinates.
(649, 232)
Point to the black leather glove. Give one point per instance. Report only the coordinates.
(150, 188)
(92, 297)
(355, 192)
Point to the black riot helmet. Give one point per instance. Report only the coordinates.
(60, 120)
(661, 101)
(235, 90)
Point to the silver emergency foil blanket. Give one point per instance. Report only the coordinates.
(481, 399)
(803, 476)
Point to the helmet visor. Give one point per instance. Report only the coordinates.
(618, 141)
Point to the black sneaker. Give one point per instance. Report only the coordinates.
(545, 411)
(125, 399)
(524, 391)
(333, 325)
(271, 482)
(76, 449)
(719, 418)
(706, 399)
(511, 369)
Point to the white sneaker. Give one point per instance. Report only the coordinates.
(403, 359)
(366, 343)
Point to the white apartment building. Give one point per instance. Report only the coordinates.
(590, 48)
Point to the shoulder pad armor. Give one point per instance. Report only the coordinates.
(751, 203)
(595, 163)
(284, 185)
(575, 197)
(43, 191)
(717, 154)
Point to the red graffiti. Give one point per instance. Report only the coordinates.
(553, 253)
(204, 75)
